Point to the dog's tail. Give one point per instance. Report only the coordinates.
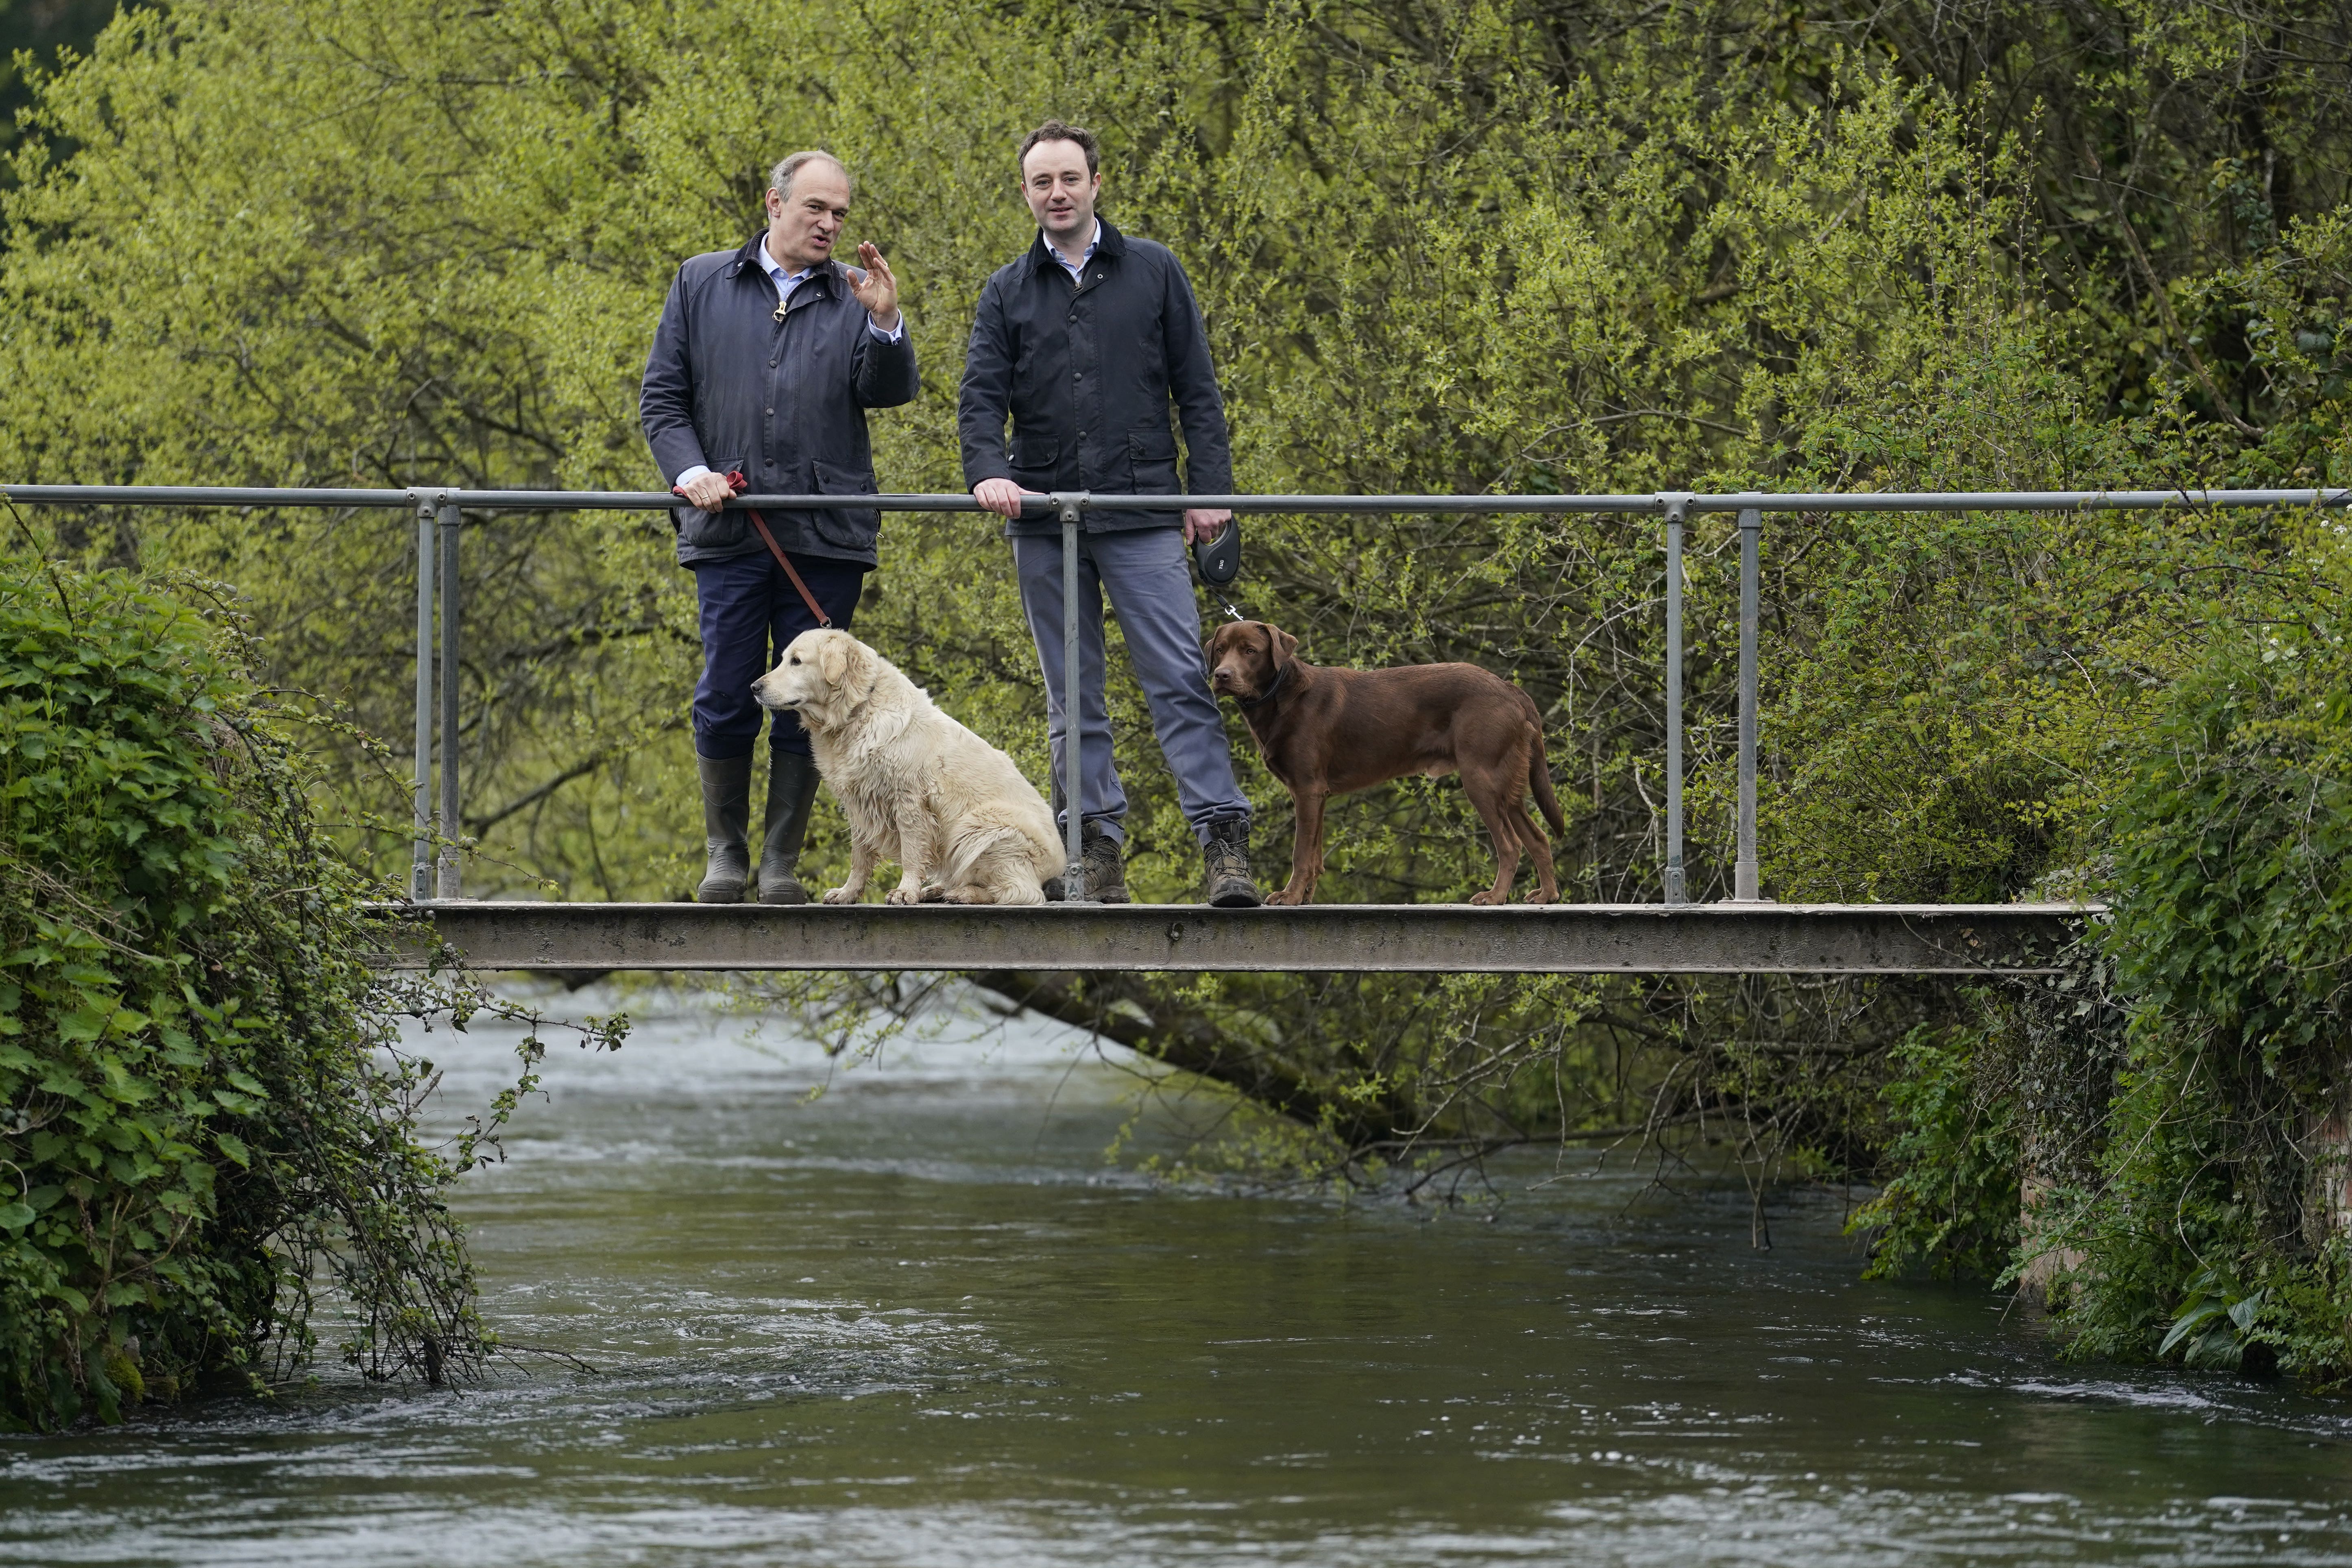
(1539, 781)
(976, 847)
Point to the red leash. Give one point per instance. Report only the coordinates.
(737, 483)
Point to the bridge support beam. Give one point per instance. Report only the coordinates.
(1572, 938)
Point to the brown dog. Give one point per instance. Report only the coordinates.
(1330, 731)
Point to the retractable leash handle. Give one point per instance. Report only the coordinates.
(1219, 562)
(1219, 559)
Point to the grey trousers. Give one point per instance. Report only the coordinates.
(1145, 573)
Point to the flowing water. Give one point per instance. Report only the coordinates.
(923, 1319)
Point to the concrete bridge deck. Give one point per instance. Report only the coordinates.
(1441, 938)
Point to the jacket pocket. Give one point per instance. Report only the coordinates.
(1036, 463)
(849, 530)
(1151, 464)
(701, 530)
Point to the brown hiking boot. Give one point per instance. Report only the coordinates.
(1226, 857)
(1106, 871)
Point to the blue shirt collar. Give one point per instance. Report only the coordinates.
(1093, 243)
(786, 281)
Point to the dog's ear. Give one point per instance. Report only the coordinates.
(835, 659)
(1280, 645)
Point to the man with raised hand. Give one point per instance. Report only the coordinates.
(767, 358)
(1084, 343)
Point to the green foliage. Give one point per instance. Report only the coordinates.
(44, 30)
(2213, 1325)
(1951, 1207)
(202, 1120)
(2217, 1216)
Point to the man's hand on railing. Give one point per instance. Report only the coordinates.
(1202, 524)
(708, 490)
(1002, 497)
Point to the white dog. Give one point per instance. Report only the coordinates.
(918, 787)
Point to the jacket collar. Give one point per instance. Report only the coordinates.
(1111, 243)
(747, 260)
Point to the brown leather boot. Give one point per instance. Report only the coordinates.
(1226, 857)
(1106, 873)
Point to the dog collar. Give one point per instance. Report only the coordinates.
(1268, 694)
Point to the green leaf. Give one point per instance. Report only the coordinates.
(84, 1022)
(2188, 1323)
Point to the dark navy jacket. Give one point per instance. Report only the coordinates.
(727, 387)
(1086, 372)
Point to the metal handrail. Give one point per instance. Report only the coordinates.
(1655, 504)
(439, 509)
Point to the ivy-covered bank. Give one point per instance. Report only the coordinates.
(208, 1151)
(2156, 1142)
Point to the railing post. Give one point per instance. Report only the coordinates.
(420, 867)
(1074, 876)
(1745, 886)
(1677, 509)
(449, 518)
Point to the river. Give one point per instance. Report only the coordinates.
(926, 1318)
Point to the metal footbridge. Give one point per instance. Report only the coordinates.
(1743, 934)
(1440, 939)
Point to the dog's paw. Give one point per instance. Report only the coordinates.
(1285, 899)
(840, 895)
(905, 896)
(968, 896)
(1485, 898)
(1543, 898)
(933, 893)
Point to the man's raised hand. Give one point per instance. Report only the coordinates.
(878, 291)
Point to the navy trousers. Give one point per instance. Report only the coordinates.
(750, 613)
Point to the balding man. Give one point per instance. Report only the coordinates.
(767, 358)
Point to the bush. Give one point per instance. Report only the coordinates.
(202, 1130)
(2213, 1224)
(1952, 1207)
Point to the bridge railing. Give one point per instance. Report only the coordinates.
(437, 511)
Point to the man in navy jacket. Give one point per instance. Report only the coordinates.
(1083, 342)
(767, 358)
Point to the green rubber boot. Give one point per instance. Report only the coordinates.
(792, 791)
(726, 819)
